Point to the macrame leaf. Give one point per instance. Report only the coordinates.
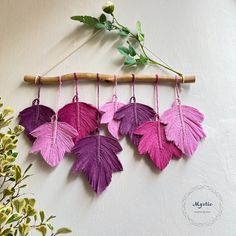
(108, 110)
(53, 140)
(81, 116)
(153, 141)
(131, 116)
(183, 127)
(34, 116)
(96, 158)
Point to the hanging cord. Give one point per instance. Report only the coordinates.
(77, 104)
(157, 114)
(156, 98)
(36, 101)
(133, 89)
(177, 89)
(114, 96)
(71, 53)
(98, 96)
(76, 97)
(58, 94)
(55, 117)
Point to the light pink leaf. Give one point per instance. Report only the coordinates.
(183, 127)
(53, 139)
(108, 110)
(154, 142)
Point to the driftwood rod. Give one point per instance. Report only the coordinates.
(110, 78)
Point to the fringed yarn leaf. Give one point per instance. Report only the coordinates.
(53, 140)
(183, 127)
(131, 116)
(153, 141)
(34, 116)
(81, 116)
(96, 158)
(108, 110)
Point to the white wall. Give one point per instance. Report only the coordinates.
(197, 37)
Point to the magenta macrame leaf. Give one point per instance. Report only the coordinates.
(131, 116)
(53, 140)
(34, 116)
(109, 110)
(81, 116)
(96, 158)
(153, 141)
(183, 127)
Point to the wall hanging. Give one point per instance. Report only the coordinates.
(75, 128)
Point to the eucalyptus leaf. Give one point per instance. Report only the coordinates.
(88, 20)
(140, 34)
(129, 61)
(123, 50)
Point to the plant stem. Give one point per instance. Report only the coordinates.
(152, 61)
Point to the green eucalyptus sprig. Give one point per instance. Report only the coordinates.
(134, 51)
(18, 215)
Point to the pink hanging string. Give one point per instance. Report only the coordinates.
(114, 96)
(76, 97)
(177, 85)
(156, 97)
(157, 113)
(98, 104)
(38, 83)
(133, 89)
(55, 117)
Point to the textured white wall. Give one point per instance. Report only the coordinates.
(197, 37)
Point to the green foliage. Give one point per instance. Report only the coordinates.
(18, 215)
(137, 54)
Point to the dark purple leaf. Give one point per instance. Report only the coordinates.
(131, 116)
(96, 158)
(34, 116)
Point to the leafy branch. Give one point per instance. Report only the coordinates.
(134, 51)
(18, 215)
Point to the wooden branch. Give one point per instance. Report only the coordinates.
(110, 78)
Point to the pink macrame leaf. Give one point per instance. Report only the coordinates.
(153, 141)
(81, 116)
(96, 158)
(109, 110)
(131, 116)
(34, 116)
(183, 127)
(53, 140)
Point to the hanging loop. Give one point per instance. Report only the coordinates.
(133, 98)
(36, 101)
(177, 90)
(114, 96)
(156, 98)
(98, 115)
(76, 97)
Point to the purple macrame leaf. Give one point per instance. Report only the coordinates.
(53, 139)
(108, 110)
(153, 141)
(34, 116)
(131, 116)
(81, 116)
(96, 158)
(183, 127)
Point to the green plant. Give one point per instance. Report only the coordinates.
(135, 52)
(18, 215)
